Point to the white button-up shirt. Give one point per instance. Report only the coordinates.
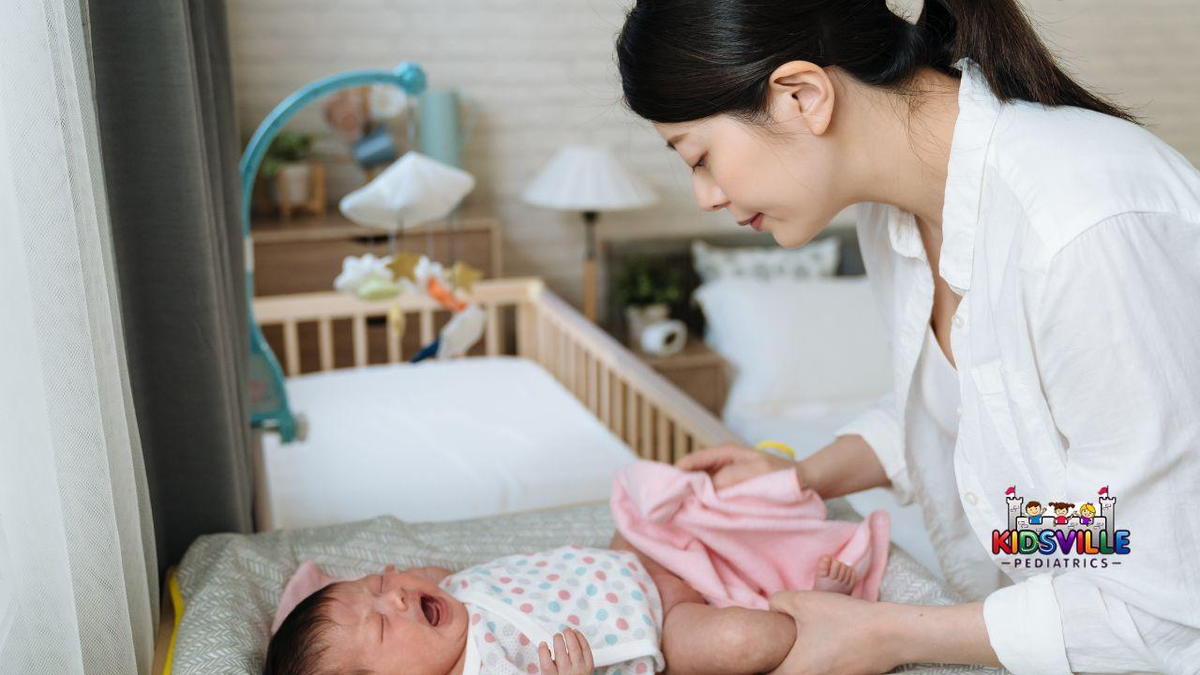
(1074, 240)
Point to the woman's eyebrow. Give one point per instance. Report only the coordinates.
(671, 143)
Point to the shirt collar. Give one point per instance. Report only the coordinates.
(978, 108)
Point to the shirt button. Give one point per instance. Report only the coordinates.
(958, 411)
(971, 498)
(957, 320)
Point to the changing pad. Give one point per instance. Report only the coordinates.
(432, 441)
(230, 583)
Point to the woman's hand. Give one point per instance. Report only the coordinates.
(835, 633)
(730, 464)
(574, 655)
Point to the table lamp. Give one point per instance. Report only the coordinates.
(587, 178)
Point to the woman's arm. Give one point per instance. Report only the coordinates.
(841, 634)
(846, 465)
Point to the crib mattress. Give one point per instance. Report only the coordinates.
(434, 441)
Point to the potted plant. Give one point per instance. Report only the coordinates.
(287, 168)
(647, 292)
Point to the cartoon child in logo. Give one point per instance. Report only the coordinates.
(1034, 510)
(1060, 512)
(1086, 513)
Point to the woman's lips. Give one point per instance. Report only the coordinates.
(755, 222)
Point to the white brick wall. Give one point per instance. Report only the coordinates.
(544, 74)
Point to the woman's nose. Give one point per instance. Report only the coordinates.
(709, 195)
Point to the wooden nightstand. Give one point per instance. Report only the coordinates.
(699, 371)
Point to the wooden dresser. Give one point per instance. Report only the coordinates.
(305, 254)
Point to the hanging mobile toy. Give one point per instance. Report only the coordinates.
(413, 190)
(466, 325)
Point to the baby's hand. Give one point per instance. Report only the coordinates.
(574, 655)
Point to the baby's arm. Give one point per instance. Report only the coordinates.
(699, 638)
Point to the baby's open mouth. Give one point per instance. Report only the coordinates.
(432, 610)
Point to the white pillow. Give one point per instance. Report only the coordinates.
(797, 343)
(816, 259)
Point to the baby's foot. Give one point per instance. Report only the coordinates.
(834, 576)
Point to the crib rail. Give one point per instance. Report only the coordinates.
(652, 416)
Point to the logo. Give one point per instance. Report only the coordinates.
(1077, 535)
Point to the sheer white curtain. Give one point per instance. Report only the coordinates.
(77, 570)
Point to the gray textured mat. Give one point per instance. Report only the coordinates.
(231, 582)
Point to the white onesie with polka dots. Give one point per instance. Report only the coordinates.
(518, 601)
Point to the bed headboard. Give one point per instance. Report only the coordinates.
(675, 251)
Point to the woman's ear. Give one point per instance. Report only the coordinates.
(803, 90)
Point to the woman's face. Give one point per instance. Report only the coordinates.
(790, 177)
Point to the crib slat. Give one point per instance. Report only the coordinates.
(291, 348)
(631, 422)
(360, 339)
(325, 342)
(647, 445)
(526, 335)
(395, 335)
(662, 448)
(590, 385)
(619, 408)
(681, 442)
(571, 348)
(492, 338)
(605, 396)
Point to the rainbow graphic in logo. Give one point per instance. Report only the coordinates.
(1065, 529)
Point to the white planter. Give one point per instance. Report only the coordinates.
(640, 316)
(294, 182)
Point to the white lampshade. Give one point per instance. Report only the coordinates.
(587, 178)
(414, 190)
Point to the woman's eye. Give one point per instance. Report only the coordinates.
(699, 163)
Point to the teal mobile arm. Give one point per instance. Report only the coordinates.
(268, 399)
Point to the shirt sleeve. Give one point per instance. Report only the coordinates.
(1117, 342)
(879, 426)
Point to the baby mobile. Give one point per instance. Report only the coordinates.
(414, 190)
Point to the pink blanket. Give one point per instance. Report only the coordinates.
(740, 544)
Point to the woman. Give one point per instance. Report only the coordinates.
(1036, 257)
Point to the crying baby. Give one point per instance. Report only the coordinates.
(566, 611)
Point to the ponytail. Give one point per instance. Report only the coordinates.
(685, 60)
(998, 36)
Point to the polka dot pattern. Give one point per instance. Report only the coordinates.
(607, 595)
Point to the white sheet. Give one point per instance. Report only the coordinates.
(808, 428)
(435, 441)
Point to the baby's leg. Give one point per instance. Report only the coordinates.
(699, 638)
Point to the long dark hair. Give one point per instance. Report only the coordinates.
(685, 60)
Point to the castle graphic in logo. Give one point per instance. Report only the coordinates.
(1037, 531)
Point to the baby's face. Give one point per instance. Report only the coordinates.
(395, 622)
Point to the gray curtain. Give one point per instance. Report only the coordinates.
(170, 151)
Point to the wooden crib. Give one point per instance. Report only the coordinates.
(653, 417)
